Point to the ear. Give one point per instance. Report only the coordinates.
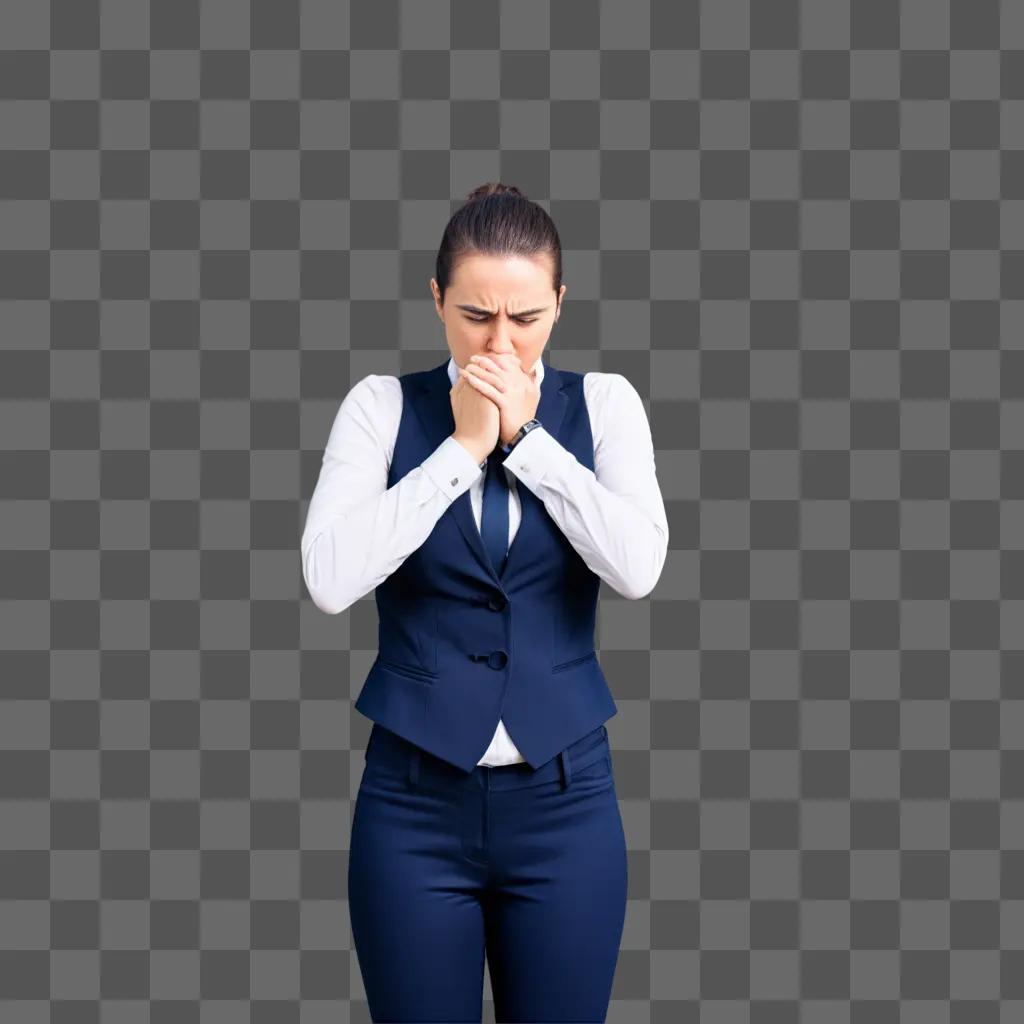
(435, 292)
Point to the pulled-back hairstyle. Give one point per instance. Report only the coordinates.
(497, 220)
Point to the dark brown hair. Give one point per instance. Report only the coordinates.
(497, 219)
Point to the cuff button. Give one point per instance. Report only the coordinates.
(455, 480)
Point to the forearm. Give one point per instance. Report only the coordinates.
(347, 554)
(621, 540)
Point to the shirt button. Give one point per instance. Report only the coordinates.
(455, 480)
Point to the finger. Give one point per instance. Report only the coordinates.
(483, 387)
(489, 362)
(483, 373)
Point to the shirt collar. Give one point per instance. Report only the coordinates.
(453, 373)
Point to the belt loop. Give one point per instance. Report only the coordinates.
(414, 766)
(564, 761)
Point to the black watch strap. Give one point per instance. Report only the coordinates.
(521, 433)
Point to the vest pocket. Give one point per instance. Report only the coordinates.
(563, 665)
(408, 670)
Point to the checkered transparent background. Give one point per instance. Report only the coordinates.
(797, 227)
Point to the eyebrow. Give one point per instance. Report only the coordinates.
(487, 312)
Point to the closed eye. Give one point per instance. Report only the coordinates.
(484, 319)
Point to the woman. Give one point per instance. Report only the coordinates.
(485, 500)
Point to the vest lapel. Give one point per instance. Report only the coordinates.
(432, 404)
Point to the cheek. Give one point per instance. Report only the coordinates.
(533, 346)
(460, 340)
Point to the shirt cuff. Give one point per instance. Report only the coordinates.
(452, 468)
(536, 454)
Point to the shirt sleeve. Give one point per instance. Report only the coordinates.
(358, 530)
(614, 515)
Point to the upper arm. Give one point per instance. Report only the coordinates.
(623, 446)
(357, 456)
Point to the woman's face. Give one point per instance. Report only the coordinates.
(499, 304)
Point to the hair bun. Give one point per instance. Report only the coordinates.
(492, 188)
(498, 220)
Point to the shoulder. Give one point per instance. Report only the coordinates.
(371, 397)
(370, 409)
(614, 406)
(599, 380)
(610, 389)
(375, 386)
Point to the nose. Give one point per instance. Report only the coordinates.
(501, 338)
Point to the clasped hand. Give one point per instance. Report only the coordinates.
(502, 379)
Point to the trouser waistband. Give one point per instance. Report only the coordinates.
(387, 748)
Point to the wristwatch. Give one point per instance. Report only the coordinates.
(520, 434)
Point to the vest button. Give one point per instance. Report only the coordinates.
(496, 603)
(497, 659)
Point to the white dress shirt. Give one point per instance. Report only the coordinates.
(359, 531)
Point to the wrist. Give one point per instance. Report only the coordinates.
(473, 449)
(524, 429)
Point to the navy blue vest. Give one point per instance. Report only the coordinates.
(461, 646)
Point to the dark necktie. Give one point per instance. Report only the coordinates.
(494, 516)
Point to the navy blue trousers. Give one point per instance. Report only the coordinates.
(527, 868)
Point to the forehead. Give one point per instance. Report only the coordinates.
(502, 278)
